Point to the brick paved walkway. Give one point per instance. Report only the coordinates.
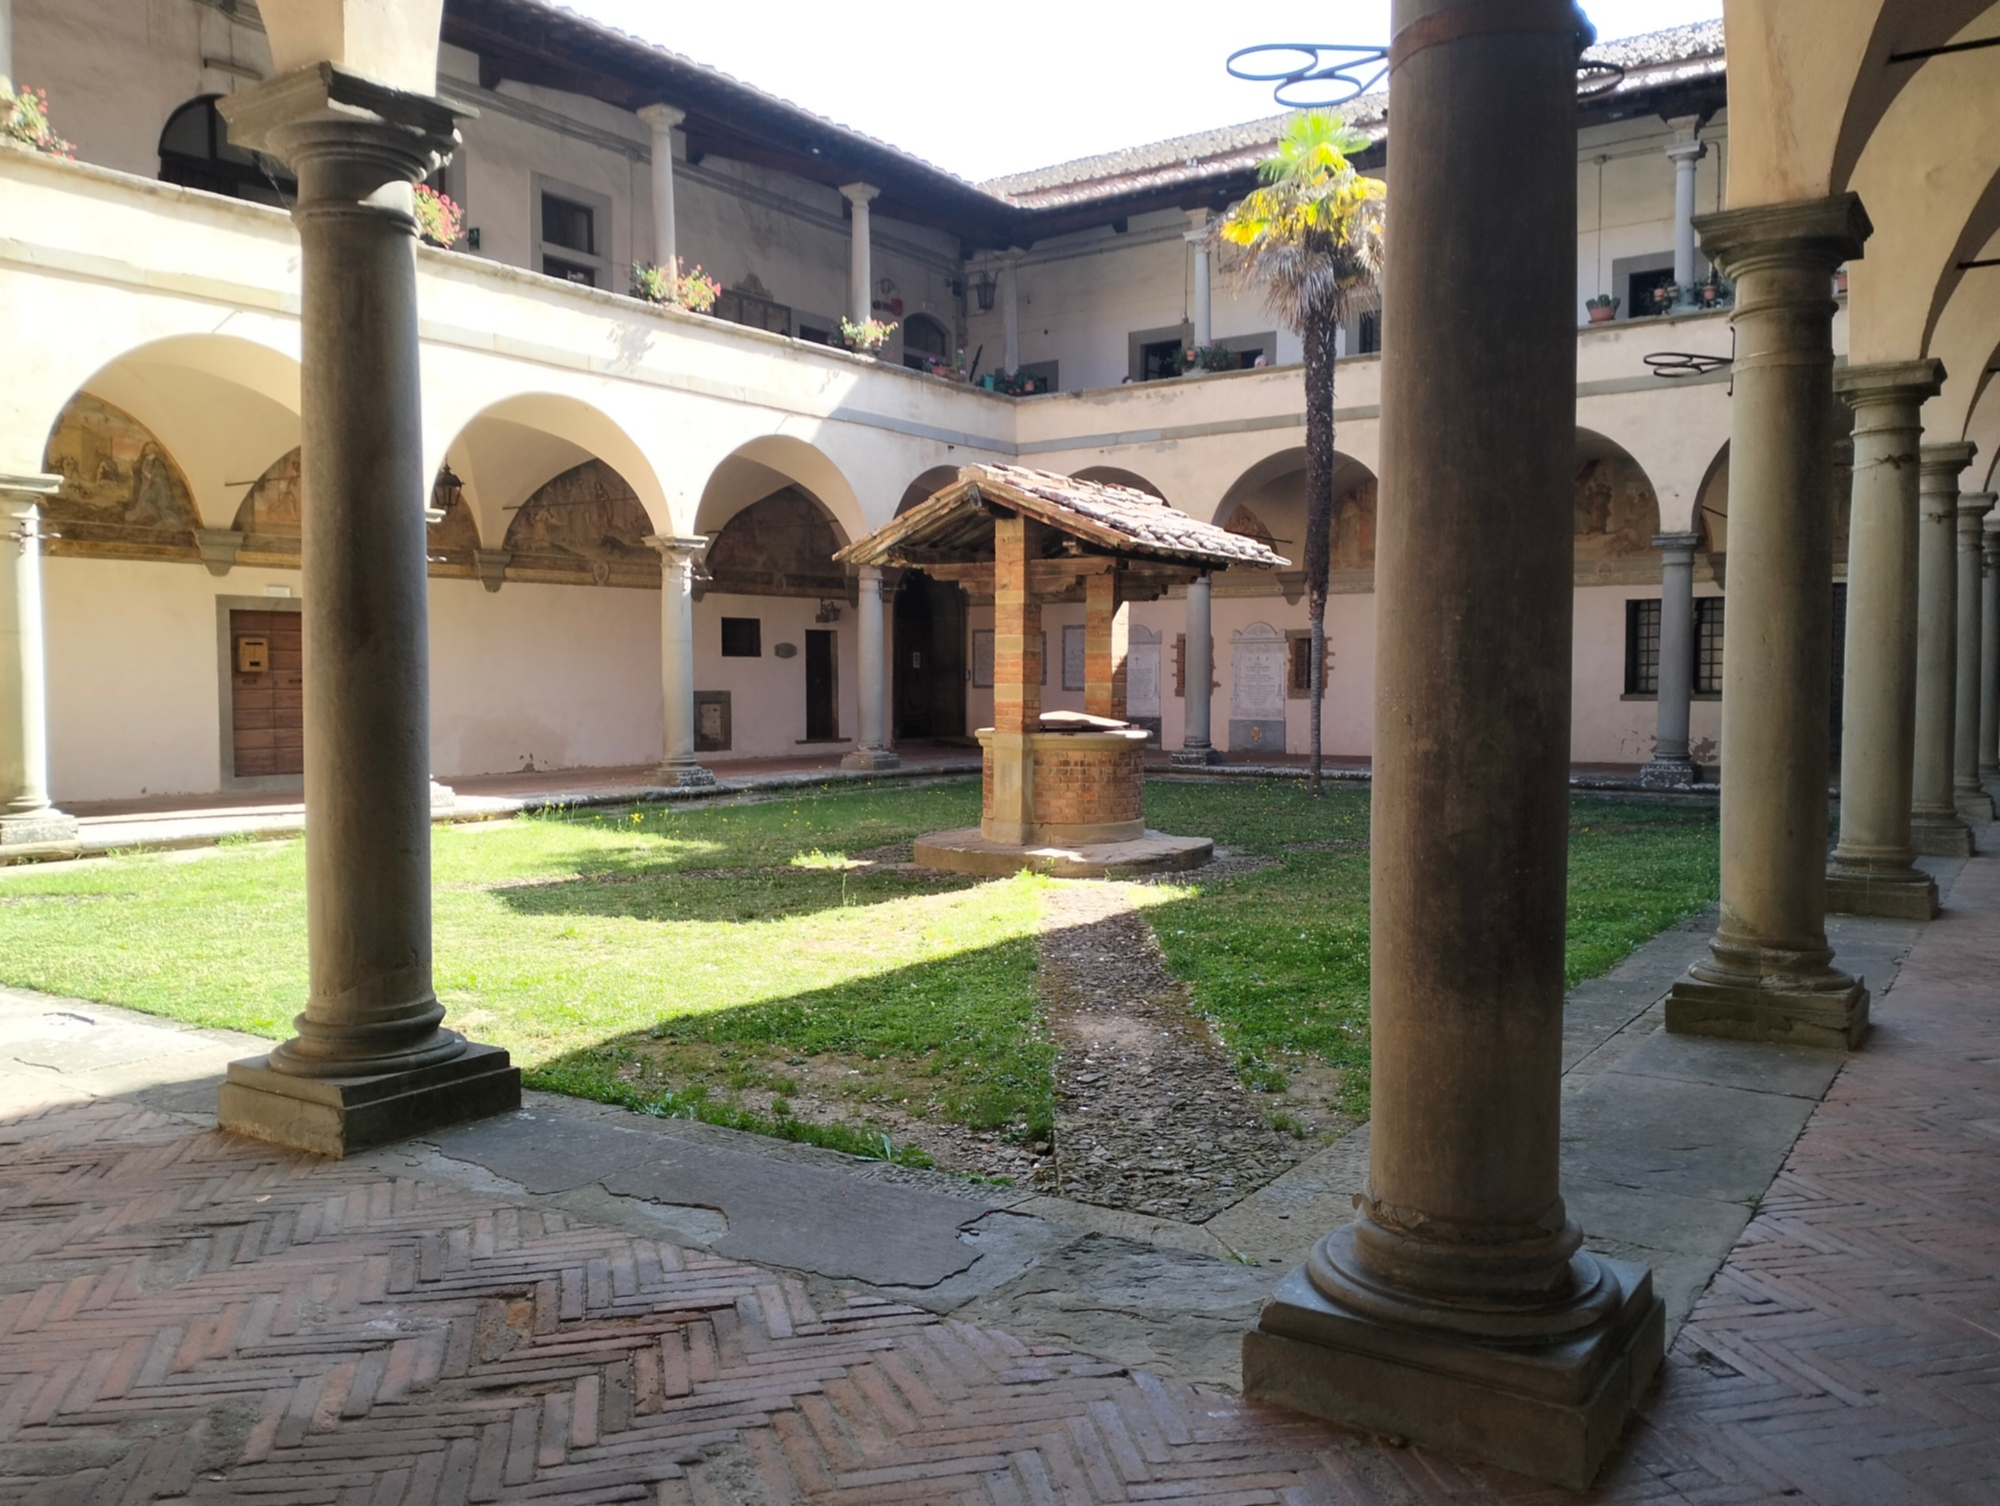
(183, 1315)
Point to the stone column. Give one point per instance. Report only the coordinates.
(7, 45)
(679, 768)
(1672, 767)
(1458, 1308)
(1107, 628)
(1935, 824)
(1989, 655)
(860, 263)
(1010, 313)
(663, 119)
(1769, 975)
(27, 819)
(1686, 149)
(372, 1060)
(1873, 870)
(1197, 680)
(1973, 802)
(871, 746)
(1197, 237)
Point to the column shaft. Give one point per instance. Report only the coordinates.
(663, 119)
(860, 255)
(1935, 824)
(1010, 314)
(871, 745)
(1198, 678)
(1009, 806)
(1873, 871)
(1973, 802)
(1197, 237)
(1671, 765)
(679, 764)
(1685, 151)
(7, 45)
(27, 819)
(1989, 655)
(371, 1060)
(1769, 975)
(1461, 1261)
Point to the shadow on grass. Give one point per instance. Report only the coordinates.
(719, 896)
(958, 1039)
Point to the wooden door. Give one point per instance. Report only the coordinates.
(822, 717)
(267, 694)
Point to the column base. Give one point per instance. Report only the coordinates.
(1195, 758)
(338, 1116)
(683, 776)
(1936, 836)
(1553, 1411)
(443, 797)
(1790, 1011)
(1905, 894)
(867, 760)
(43, 828)
(1670, 774)
(1973, 804)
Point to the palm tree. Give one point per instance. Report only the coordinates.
(1310, 238)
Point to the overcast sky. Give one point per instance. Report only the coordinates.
(981, 88)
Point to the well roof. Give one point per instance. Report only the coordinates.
(957, 523)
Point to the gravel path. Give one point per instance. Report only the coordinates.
(1150, 1113)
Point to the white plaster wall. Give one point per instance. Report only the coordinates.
(1606, 727)
(767, 701)
(1625, 199)
(565, 676)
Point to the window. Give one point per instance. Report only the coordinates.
(1641, 289)
(739, 307)
(742, 637)
(1708, 645)
(196, 152)
(1368, 334)
(1159, 359)
(573, 234)
(1642, 648)
(924, 340)
(1298, 664)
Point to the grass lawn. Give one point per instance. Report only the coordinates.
(731, 963)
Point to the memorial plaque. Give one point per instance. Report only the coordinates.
(1142, 681)
(1257, 690)
(1072, 658)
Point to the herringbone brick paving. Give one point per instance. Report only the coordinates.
(187, 1316)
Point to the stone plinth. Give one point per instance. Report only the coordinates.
(338, 1116)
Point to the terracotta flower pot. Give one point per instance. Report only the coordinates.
(1602, 315)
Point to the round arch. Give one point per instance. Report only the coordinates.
(220, 408)
(768, 463)
(1616, 510)
(926, 486)
(1268, 501)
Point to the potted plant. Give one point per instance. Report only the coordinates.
(1713, 292)
(24, 124)
(1603, 308)
(868, 337)
(1665, 296)
(1840, 282)
(440, 222)
(952, 370)
(694, 291)
(1208, 358)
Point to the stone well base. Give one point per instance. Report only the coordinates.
(966, 851)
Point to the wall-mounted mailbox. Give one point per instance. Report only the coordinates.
(253, 656)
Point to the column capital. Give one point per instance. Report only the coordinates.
(1820, 233)
(269, 116)
(1972, 510)
(1677, 543)
(1197, 230)
(1882, 383)
(19, 493)
(859, 194)
(679, 550)
(661, 117)
(1687, 144)
(1937, 461)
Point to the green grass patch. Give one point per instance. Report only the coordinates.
(761, 966)
(1279, 959)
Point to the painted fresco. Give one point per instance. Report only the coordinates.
(1616, 516)
(122, 496)
(1354, 529)
(781, 546)
(269, 520)
(586, 525)
(1247, 524)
